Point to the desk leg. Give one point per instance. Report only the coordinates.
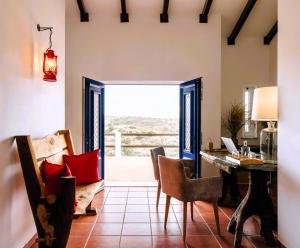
(229, 181)
(256, 202)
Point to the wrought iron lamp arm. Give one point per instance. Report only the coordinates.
(40, 29)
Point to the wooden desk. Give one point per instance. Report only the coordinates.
(257, 200)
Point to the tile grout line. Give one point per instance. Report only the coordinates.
(208, 226)
(185, 243)
(124, 217)
(98, 215)
(149, 213)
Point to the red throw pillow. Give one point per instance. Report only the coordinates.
(51, 174)
(84, 167)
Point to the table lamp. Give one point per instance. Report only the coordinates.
(265, 108)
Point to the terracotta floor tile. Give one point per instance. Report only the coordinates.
(142, 219)
(137, 194)
(227, 211)
(118, 189)
(137, 208)
(113, 208)
(76, 241)
(152, 189)
(136, 200)
(202, 241)
(111, 217)
(117, 194)
(172, 229)
(107, 229)
(115, 201)
(223, 230)
(178, 208)
(175, 201)
(160, 217)
(197, 217)
(168, 242)
(85, 219)
(228, 242)
(136, 242)
(136, 229)
(154, 194)
(98, 203)
(103, 242)
(210, 218)
(196, 228)
(204, 206)
(137, 218)
(138, 189)
(160, 209)
(100, 196)
(152, 201)
(81, 229)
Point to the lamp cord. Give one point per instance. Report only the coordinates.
(50, 36)
(50, 40)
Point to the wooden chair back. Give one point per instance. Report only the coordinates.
(32, 153)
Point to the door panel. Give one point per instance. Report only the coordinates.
(94, 119)
(190, 122)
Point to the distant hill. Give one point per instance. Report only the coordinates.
(132, 124)
(141, 125)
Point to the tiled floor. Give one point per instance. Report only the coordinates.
(127, 217)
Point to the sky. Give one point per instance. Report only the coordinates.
(159, 101)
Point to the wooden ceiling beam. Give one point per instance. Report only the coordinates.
(164, 16)
(124, 15)
(84, 15)
(203, 18)
(238, 26)
(269, 37)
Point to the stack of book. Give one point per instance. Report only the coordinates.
(244, 160)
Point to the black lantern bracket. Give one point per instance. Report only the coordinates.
(40, 29)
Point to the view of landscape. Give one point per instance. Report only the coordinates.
(139, 134)
(138, 118)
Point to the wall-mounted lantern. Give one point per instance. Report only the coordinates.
(50, 59)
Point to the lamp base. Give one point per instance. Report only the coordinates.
(268, 144)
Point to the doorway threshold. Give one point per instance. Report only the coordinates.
(131, 183)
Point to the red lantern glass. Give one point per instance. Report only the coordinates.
(50, 66)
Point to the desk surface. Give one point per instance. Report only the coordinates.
(218, 159)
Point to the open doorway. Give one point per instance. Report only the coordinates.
(138, 118)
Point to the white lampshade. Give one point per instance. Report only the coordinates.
(265, 104)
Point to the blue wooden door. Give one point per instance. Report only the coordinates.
(94, 119)
(190, 122)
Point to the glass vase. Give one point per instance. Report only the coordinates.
(268, 144)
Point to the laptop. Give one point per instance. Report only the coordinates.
(229, 144)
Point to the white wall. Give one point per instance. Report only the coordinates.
(289, 122)
(249, 62)
(28, 105)
(143, 49)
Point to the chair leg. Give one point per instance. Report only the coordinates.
(216, 212)
(158, 193)
(184, 220)
(168, 200)
(192, 211)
